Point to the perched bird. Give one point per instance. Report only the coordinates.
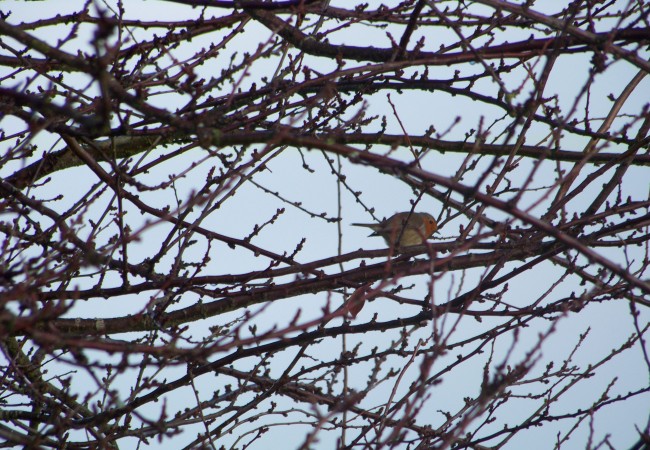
(405, 228)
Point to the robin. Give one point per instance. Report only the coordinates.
(405, 228)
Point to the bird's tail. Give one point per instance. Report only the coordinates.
(366, 225)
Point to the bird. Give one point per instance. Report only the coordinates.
(404, 229)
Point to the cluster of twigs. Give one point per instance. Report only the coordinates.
(166, 274)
